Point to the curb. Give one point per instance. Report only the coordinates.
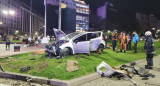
(40, 80)
(54, 82)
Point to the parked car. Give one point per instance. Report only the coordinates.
(74, 43)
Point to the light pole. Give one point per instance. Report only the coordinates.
(60, 16)
(8, 13)
(30, 30)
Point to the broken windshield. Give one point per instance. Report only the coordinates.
(69, 36)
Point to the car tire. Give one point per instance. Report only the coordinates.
(64, 52)
(101, 47)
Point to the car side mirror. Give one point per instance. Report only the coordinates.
(76, 41)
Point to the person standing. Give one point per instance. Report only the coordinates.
(135, 41)
(120, 38)
(129, 43)
(114, 39)
(7, 44)
(149, 49)
(124, 41)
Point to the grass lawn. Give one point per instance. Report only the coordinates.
(56, 68)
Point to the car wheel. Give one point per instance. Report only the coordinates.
(50, 55)
(101, 47)
(64, 52)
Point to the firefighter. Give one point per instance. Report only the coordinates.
(149, 49)
(124, 41)
(114, 39)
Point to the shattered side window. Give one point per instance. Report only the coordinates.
(93, 35)
(81, 38)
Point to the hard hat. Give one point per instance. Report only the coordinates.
(148, 33)
(115, 30)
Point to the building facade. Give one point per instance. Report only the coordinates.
(15, 20)
(82, 16)
(147, 22)
(75, 15)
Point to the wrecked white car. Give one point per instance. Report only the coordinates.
(74, 43)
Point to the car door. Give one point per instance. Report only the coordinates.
(95, 40)
(81, 44)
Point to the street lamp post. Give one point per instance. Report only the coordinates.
(60, 15)
(30, 30)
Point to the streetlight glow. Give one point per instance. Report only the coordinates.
(36, 33)
(109, 31)
(17, 31)
(11, 12)
(5, 12)
(1, 23)
(153, 28)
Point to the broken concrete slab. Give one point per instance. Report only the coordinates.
(72, 66)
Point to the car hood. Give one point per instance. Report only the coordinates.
(60, 34)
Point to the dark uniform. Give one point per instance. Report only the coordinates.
(114, 41)
(149, 49)
(7, 44)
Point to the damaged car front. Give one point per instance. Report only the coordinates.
(62, 46)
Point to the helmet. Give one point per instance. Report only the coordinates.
(115, 31)
(148, 33)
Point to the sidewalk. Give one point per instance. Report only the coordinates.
(7, 53)
(105, 81)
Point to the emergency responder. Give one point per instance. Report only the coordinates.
(135, 41)
(149, 49)
(124, 41)
(114, 39)
(129, 43)
(120, 38)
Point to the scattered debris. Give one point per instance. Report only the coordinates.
(42, 66)
(9, 57)
(72, 66)
(145, 78)
(112, 72)
(25, 69)
(59, 62)
(39, 52)
(29, 79)
(142, 71)
(2, 68)
(32, 59)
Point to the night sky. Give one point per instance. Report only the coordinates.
(143, 6)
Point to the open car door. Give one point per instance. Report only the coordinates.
(59, 34)
(81, 45)
(95, 40)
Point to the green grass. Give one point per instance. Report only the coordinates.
(15, 41)
(56, 68)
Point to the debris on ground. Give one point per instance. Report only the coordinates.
(25, 69)
(39, 52)
(113, 72)
(72, 66)
(32, 59)
(42, 66)
(2, 68)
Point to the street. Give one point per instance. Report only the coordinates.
(6, 53)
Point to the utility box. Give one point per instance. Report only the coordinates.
(16, 48)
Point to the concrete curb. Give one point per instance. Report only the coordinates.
(40, 80)
(56, 82)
